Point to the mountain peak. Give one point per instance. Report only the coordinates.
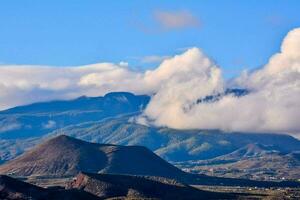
(63, 139)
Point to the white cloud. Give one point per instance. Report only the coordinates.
(27, 84)
(180, 81)
(176, 19)
(273, 104)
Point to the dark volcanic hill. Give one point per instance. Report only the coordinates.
(13, 189)
(64, 155)
(140, 187)
(87, 186)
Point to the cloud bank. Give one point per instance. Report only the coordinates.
(176, 85)
(27, 84)
(273, 105)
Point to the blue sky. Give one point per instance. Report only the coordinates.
(236, 34)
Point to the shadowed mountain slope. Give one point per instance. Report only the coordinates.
(87, 186)
(136, 187)
(13, 189)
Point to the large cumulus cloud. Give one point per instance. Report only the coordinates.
(273, 104)
(176, 85)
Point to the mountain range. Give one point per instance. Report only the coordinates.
(40, 118)
(64, 156)
(110, 120)
(257, 159)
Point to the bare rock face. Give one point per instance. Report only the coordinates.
(64, 155)
(139, 187)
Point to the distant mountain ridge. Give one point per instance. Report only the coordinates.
(120, 102)
(253, 161)
(116, 99)
(38, 119)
